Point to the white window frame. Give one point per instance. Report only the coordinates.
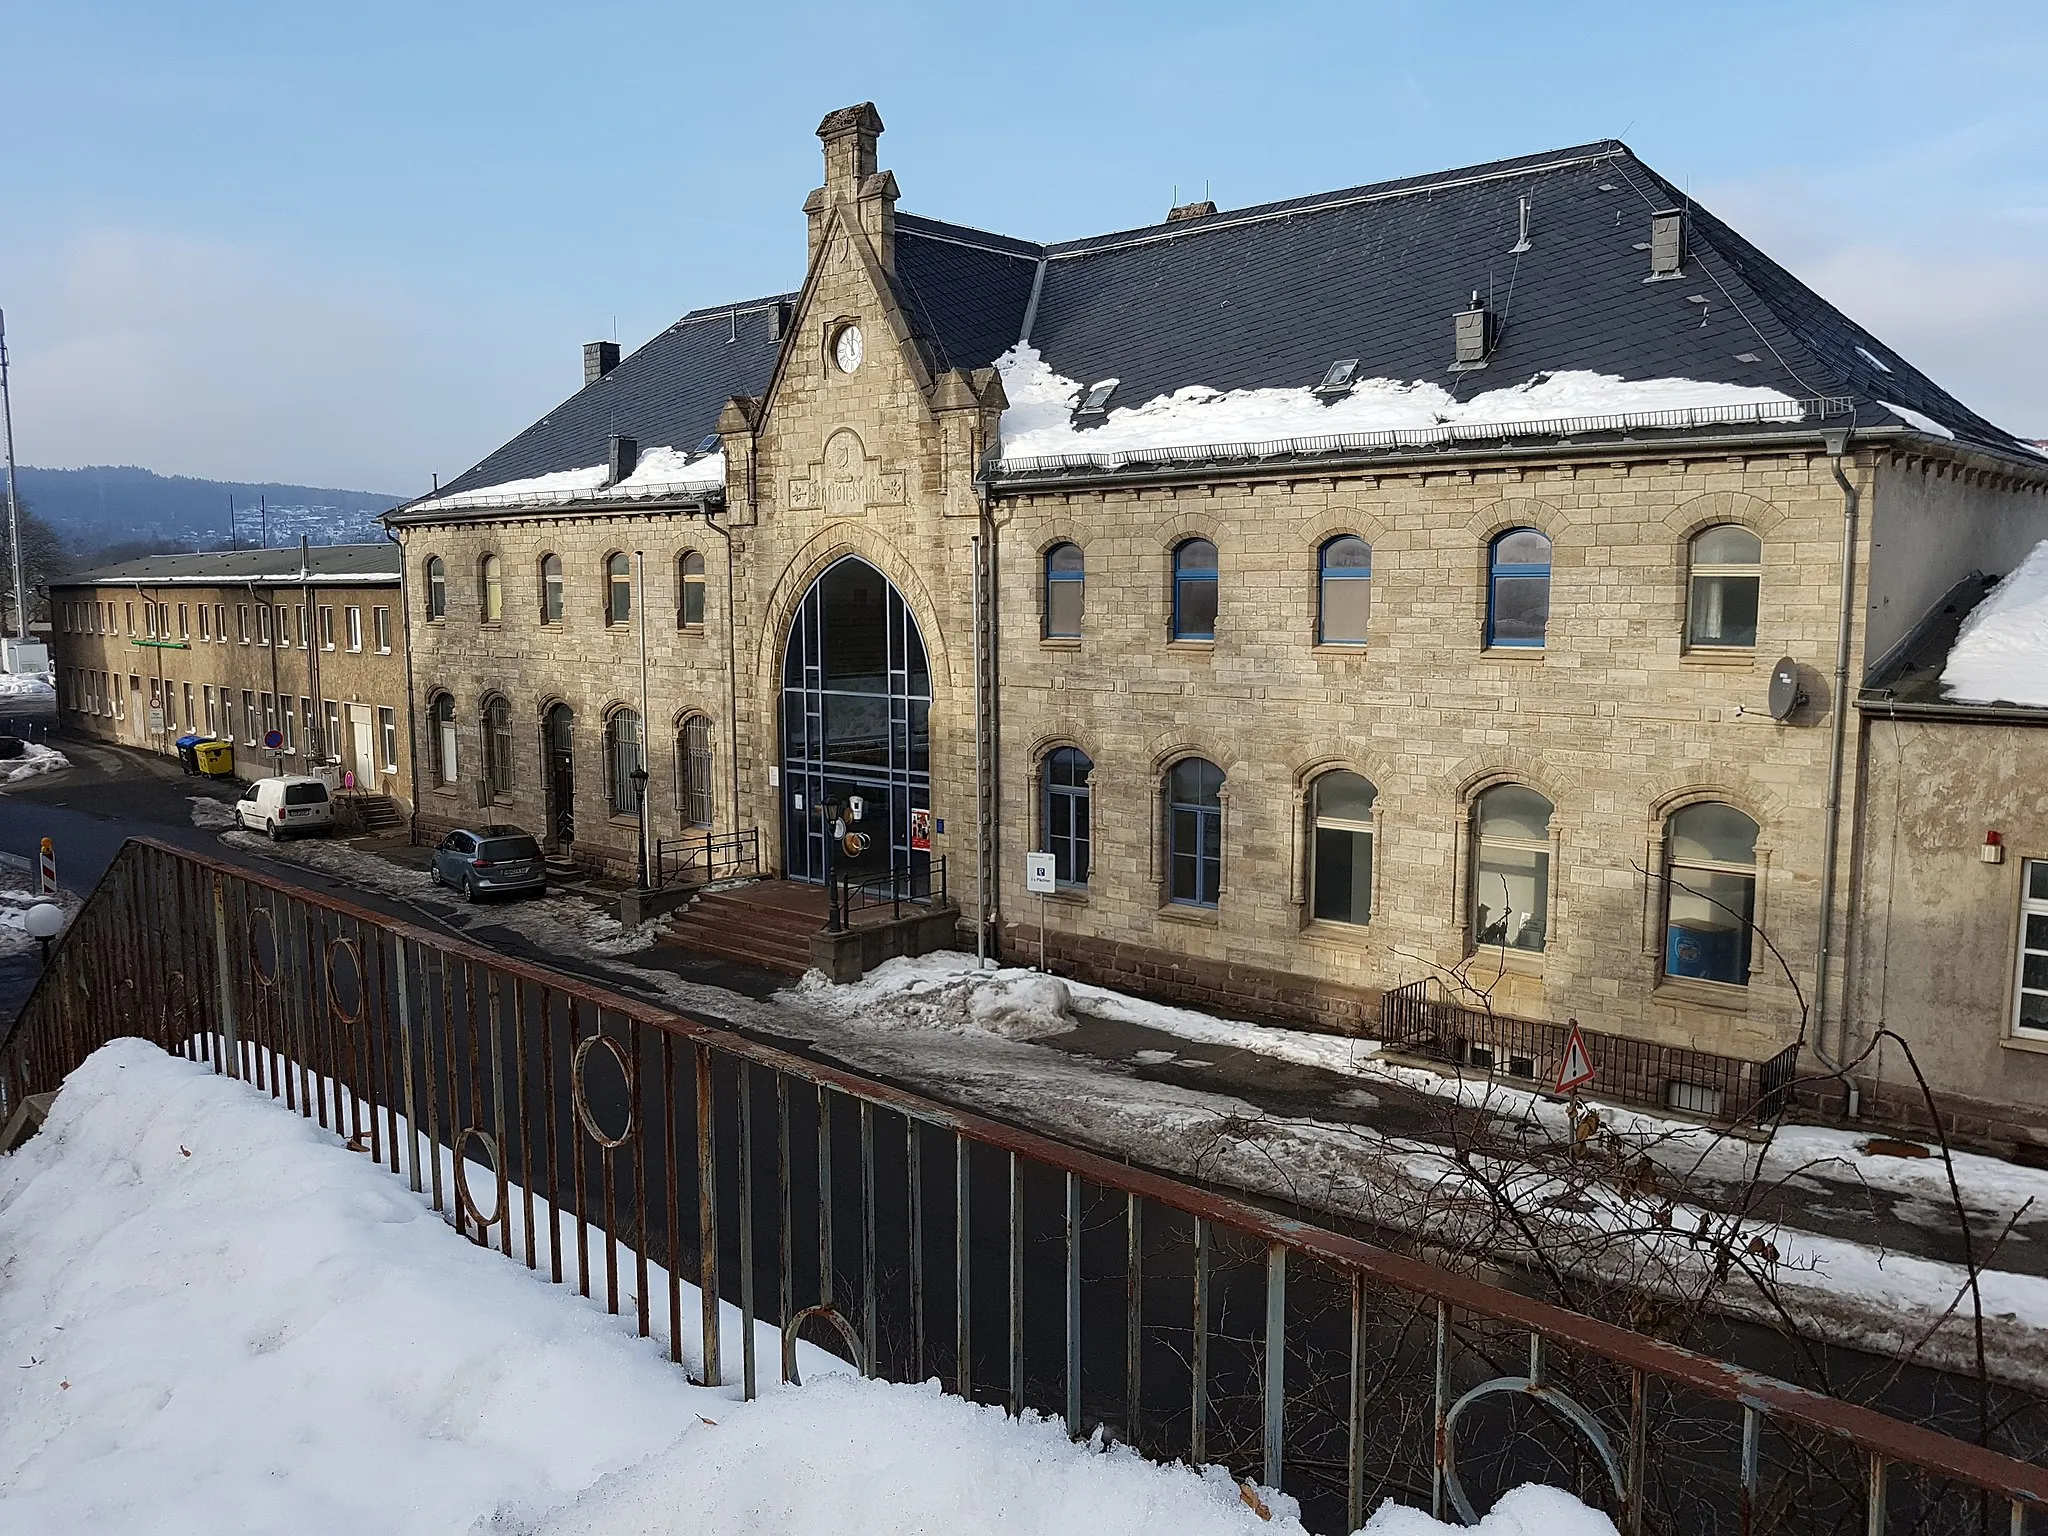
(355, 629)
(2030, 906)
(380, 629)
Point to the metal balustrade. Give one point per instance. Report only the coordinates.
(924, 1240)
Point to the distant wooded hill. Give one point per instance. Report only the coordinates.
(104, 504)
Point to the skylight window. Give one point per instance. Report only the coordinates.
(711, 441)
(1873, 359)
(1342, 374)
(1097, 400)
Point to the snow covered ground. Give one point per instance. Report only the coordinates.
(35, 760)
(2001, 656)
(219, 1318)
(1039, 420)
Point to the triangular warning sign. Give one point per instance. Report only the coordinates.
(1576, 1069)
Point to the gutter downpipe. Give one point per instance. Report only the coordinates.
(732, 686)
(1837, 445)
(981, 860)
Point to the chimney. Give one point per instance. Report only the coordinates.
(778, 319)
(1471, 335)
(599, 359)
(851, 178)
(1200, 210)
(625, 455)
(1667, 243)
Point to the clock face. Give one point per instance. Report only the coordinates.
(846, 349)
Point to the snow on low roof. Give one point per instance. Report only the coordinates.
(660, 474)
(1038, 428)
(2001, 654)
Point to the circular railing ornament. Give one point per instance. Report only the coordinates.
(582, 1096)
(1562, 1404)
(465, 1202)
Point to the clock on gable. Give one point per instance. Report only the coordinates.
(847, 348)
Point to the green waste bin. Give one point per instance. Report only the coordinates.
(216, 758)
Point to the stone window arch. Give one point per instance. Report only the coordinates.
(1343, 590)
(1724, 585)
(1343, 818)
(1510, 892)
(441, 734)
(1710, 890)
(1518, 589)
(618, 588)
(690, 589)
(1066, 777)
(694, 772)
(1195, 584)
(490, 589)
(498, 754)
(1065, 591)
(623, 757)
(551, 588)
(437, 589)
(1191, 796)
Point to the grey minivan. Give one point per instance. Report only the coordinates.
(489, 861)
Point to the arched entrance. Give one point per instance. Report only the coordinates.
(557, 750)
(856, 720)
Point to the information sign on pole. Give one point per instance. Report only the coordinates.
(1040, 879)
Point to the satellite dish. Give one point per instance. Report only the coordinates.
(1785, 694)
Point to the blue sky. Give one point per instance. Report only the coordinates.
(356, 246)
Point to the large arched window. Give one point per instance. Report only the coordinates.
(551, 589)
(621, 758)
(1194, 832)
(1725, 581)
(693, 771)
(1342, 807)
(1194, 590)
(618, 588)
(497, 732)
(1518, 589)
(690, 590)
(1511, 868)
(1067, 819)
(1065, 591)
(1710, 893)
(441, 732)
(1345, 591)
(490, 582)
(437, 589)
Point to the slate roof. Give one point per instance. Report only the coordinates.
(1269, 296)
(354, 563)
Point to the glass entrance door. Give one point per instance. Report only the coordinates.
(856, 720)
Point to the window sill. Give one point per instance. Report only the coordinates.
(2036, 1044)
(1184, 912)
(1327, 930)
(1731, 657)
(1513, 962)
(1512, 652)
(1191, 643)
(1340, 648)
(1059, 642)
(1722, 996)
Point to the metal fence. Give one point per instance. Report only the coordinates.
(919, 1239)
(702, 857)
(853, 897)
(1424, 1019)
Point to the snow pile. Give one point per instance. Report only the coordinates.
(1531, 1510)
(27, 685)
(2001, 656)
(17, 894)
(1026, 1007)
(35, 759)
(221, 1319)
(209, 812)
(1920, 419)
(658, 472)
(1039, 419)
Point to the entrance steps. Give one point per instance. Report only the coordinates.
(378, 814)
(763, 923)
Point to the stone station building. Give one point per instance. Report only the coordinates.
(1377, 595)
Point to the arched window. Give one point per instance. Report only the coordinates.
(551, 589)
(437, 589)
(441, 732)
(1194, 590)
(1518, 589)
(1067, 819)
(621, 758)
(1710, 893)
(1511, 868)
(618, 588)
(491, 589)
(497, 732)
(1342, 812)
(1065, 586)
(1725, 581)
(690, 590)
(1346, 591)
(693, 771)
(1194, 832)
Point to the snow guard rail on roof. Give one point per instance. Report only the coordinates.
(1444, 434)
(1021, 1270)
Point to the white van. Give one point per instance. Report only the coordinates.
(293, 803)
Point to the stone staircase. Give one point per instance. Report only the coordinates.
(378, 815)
(767, 924)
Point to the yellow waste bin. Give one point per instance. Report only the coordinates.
(216, 758)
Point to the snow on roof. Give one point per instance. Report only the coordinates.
(2001, 655)
(661, 473)
(1039, 421)
(1913, 418)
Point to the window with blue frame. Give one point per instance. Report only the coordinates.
(1345, 595)
(1518, 589)
(1067, 772)
(1194, 590)
(1065, 589)
(1194, 833)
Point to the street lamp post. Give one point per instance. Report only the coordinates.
(639, 778)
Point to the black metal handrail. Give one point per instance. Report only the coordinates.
(848, 893)
(702, 857)
(1019, 1269)
(1423, 1019)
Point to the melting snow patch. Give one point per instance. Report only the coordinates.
(658, 472)
(1039, 421)
(35, 759)
(2001, 656)
(1913, 418)
(209, 812)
